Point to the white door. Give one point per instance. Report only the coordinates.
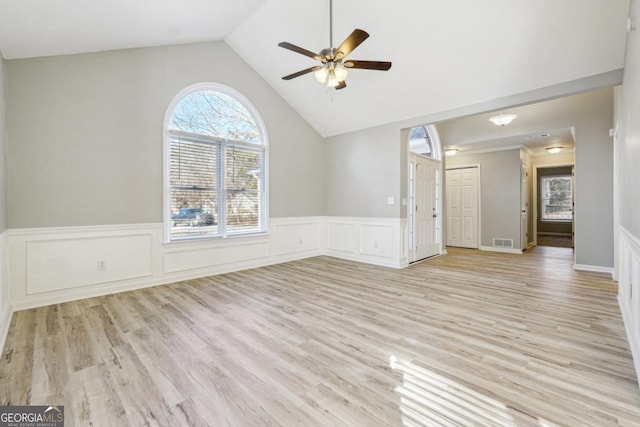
(462, 207)
(524, 206)
(423, 215)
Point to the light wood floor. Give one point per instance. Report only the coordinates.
(470, 338)
(557, 241)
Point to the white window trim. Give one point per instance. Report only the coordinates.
(166, 191)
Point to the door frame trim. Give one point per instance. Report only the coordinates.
(479, 191)
(534, 199)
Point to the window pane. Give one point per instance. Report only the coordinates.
(193, 213)
(193, 176)
(556, 200)
(243, 176)
(193, 163)
(420, 141)
(243, 211)
(215, 114)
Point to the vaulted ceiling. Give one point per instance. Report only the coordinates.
(445, 54)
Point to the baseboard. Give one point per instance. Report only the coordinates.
(503, 250)
(545, 233)
(380, 261)
(594, 269)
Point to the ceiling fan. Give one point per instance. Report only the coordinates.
(333, 68)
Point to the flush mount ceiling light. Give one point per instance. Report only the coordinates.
(554, 150)
(503, 119)
(450, 152)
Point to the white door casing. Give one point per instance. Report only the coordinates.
(524, 206)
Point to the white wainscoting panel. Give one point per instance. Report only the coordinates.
(341, 237)
(5, 306)
(184, 256)
(629, 291)
(293, 237)
(376, 240)
(372, 240)
(58, 264)
(55, 264)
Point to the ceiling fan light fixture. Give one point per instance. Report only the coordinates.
(322, 74)
(332, 81)
(340, 72)
(503, 119)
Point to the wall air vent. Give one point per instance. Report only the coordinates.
(502, 243)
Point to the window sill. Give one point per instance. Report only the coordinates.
(204, 240)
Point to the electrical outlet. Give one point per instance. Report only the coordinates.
(102, 265)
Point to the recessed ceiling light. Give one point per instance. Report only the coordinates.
(544, 135)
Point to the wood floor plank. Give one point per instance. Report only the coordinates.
(466, 339)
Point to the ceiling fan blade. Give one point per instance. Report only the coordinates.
(368, 65)
(299, 50)
(353, 41)
(301, 73)
(341, 85)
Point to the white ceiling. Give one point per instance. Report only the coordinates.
(446, 54)
(554, 118)
(31, 28)
(537, 142)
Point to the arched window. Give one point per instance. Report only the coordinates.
(420, 141)
(216, 157)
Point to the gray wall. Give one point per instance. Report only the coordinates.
(3, 146)
(375, 159)
(594, 185)
(363, 169)
(628, 119)
(86, 134)
(500, 193)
